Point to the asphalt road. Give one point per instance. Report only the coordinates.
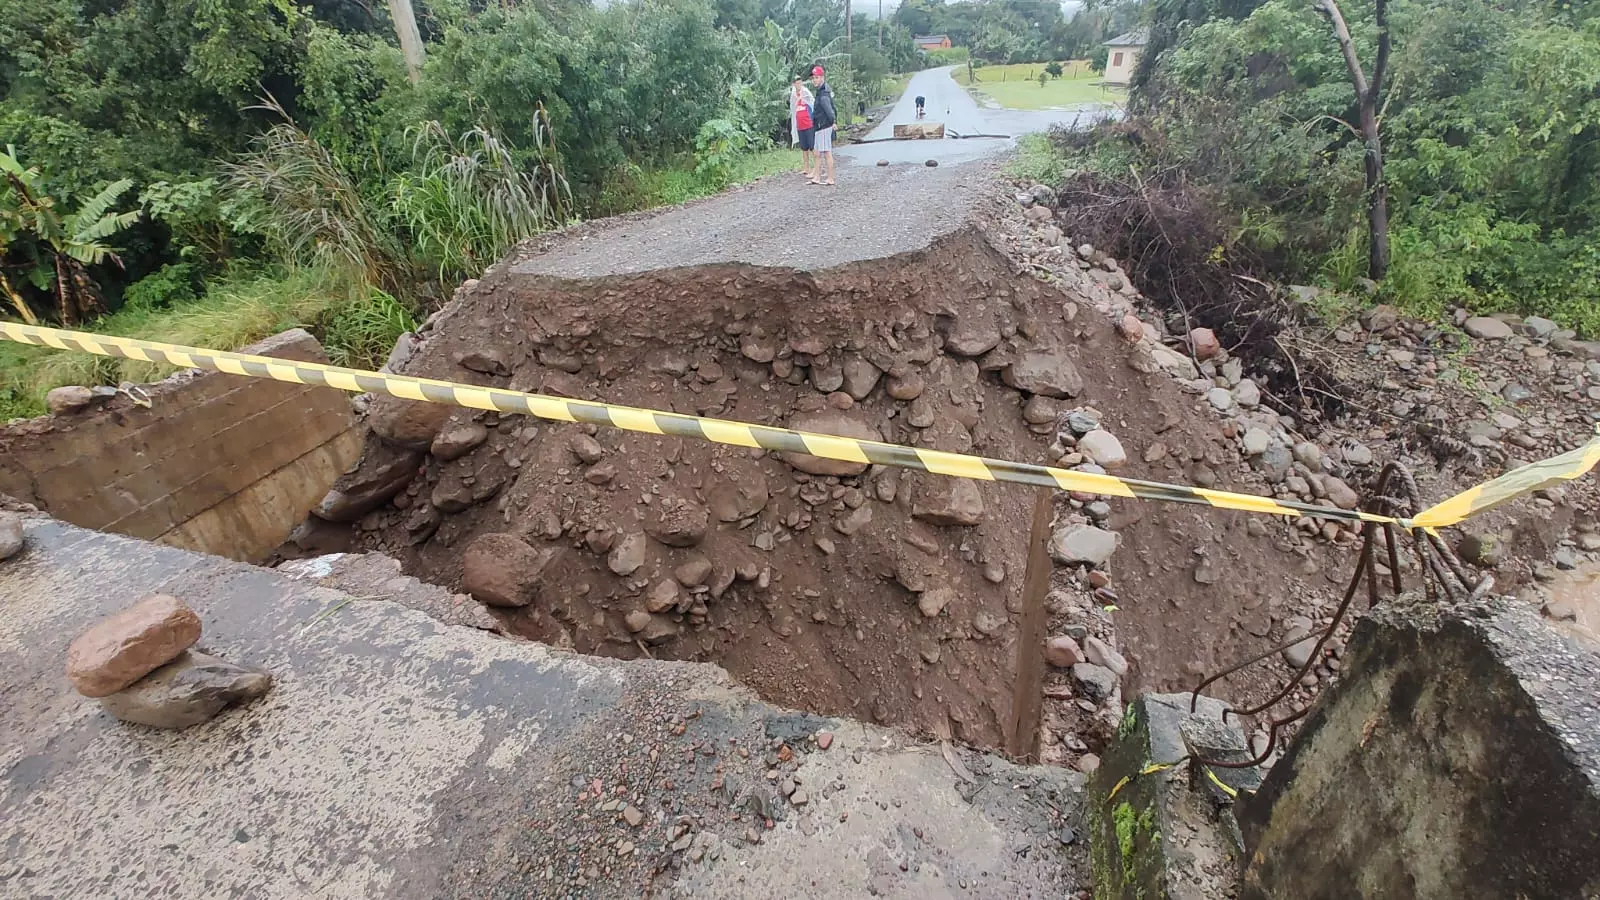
(950, 103)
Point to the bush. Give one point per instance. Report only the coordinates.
(171, 285)
(951, 57)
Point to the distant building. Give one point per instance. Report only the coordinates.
(1122, 55)
(932, 41)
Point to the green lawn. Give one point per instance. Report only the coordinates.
(1017, 86)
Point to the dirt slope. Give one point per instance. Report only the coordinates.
(881, 594)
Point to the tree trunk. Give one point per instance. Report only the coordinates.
(1367, 104)
(405, 28)
(1377, 195)
(63, 292)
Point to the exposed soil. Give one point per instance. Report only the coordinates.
(848, 593)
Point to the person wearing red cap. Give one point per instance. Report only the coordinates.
(822, 119)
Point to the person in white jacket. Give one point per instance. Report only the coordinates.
(801, 133)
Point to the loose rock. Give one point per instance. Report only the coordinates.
(628, 554)
(1340, 494)
(458, 440)
(128, 645)
(1256, 441)
(411, 424)
(860, 377)
(906, 384)
(1104, 448)
(1097, 682)
(1380, 318)
(1062, 652)
(187, 691)
(501, 569)
(1040, 410)
(834, 422)
(948, 501)
(586, 448)
(64, 400)
(1044, 373)
(1486, 328)
(1246, 394)
(382, 472)
(973, 336)
(1080, 544)
(679, 523)
(1101, 654)
(1204, 343)
(932, 602)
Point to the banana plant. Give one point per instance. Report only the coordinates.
(52, 246)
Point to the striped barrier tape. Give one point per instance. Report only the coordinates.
(743, 434)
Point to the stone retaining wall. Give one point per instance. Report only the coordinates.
(219, 463)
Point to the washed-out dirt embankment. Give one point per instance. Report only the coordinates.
(833, 587)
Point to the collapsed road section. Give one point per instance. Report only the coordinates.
(825, 585)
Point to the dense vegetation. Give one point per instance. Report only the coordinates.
(220, 169)
(1489, 120)
(1015, 31)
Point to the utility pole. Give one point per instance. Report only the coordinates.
(405, 28)
(847, 26)
(880, 24)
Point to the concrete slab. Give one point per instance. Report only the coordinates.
(398, 756)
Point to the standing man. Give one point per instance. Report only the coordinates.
(822, 119)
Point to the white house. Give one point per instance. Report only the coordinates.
(1122, 55)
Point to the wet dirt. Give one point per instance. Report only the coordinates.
(880, 594)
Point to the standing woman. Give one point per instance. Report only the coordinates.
(800, 127)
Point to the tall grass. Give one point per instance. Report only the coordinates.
(467, 201)
(312, 210)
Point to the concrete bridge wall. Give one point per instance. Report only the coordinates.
(219, 463)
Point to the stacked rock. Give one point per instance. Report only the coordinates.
(139, 665)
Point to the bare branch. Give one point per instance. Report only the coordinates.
(1341, 32)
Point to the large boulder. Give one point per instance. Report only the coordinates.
(503, 570)
(187, 691)
(831, 422)
(128, 645)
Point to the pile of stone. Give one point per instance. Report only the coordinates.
(139, 664)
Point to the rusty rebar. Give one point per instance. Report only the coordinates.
(1444, 576)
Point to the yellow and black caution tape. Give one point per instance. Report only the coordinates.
(1513, 484)
(744, 434)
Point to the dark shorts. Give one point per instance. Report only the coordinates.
(808, 138)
